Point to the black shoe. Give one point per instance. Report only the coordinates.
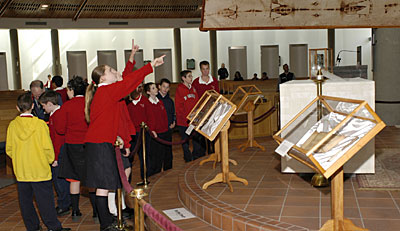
(127, 213)
(111, 228)
(62, 212)
(76, 215)
(95, 218)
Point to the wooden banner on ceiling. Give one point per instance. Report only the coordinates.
(299, 14)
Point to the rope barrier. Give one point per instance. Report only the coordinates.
(158, 217)
(268, 113)
(168, 142)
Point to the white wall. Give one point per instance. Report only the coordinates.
(195, 45)
(119, 40)
(35, 55)
(256, 38)
(349, 39)
(6, 47)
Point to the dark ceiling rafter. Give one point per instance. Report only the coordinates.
(4, 7)
(81, 7)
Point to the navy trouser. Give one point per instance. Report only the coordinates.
(198, 148)
(61, 185)
(43, 192)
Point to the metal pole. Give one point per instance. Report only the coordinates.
(145, 182)
(120, 224)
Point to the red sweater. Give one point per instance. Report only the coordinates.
(185, 100)
(63, 93)
(138, 112)
(157, 119)
(126, 128)
(104, 110)
(201, 88)
(57, 139)
(72, 121)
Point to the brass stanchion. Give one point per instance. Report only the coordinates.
(120, 223)
(318, 180)
(139, 214)
(144, 183)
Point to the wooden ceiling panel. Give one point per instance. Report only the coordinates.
(102, 8)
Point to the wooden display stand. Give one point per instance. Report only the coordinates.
(210, 117)
(245, 98)
(216, 156)
(225, 176)
(321, 143)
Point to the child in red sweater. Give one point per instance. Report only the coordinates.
(158, 124)
(102, 111)
(137, 112)
(73, 125)
(49, 102)
(185, 99)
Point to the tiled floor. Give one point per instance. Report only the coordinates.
(287, 198)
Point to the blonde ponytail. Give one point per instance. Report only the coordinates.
(91, 89)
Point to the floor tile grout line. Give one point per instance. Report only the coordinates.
(284, 199)
(254, 191)
(320, 209)
(358, 205)
(394, 201)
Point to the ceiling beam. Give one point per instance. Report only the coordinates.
(4, 7)
(80, 9)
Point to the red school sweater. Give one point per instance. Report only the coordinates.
(201, 87)
(185, 100)
(157, 117)
(57, 139)
(137, 111)
(72, 121)
(63, 93)
(104, 110)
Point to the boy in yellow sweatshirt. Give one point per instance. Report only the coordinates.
(29, 146)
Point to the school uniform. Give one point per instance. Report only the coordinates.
(158, 122)
(73, 125)
(201, 87)
(185, 99)
(60, 184)
(101, 171)
(170, 109)
(105, 118)
(63, 93)
(30, 148)
(137, 113)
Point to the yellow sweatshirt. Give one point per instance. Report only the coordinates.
(29, 146)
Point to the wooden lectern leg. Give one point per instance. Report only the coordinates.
(216, 157)
(211, 157)
(338, 222)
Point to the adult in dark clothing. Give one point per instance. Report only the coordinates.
(223, 72)
(285, 76)
(238, 76)
(37, 89)
(163, 95)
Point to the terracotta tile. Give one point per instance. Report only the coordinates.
(376, 202)
(302, 201)
(264, 210)
(270, 192)
(261, 200)
(216, 218)
(207, 215)
(378, 213)
(239, 225)
(250, 227)
(372, 194)
(227, 222)
(310, 223)
(300, 211)
(374, 224)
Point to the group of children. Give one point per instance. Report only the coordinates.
(78, 143)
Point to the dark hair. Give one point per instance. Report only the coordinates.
(164, 80)
(204, 63)
(78, 85)
(91, 89)
(57, 80)
(185, 73)
(24, 102)
(147, 86)
(264, 73)
(36, 83)
(49, 96)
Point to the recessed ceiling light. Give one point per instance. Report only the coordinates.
(44, 6)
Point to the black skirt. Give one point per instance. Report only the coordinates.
(73, 162)
(101, 166)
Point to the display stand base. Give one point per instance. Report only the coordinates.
(250, 144)
(216, 157)
(225, 176)
(346, 225)
(230, 177)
